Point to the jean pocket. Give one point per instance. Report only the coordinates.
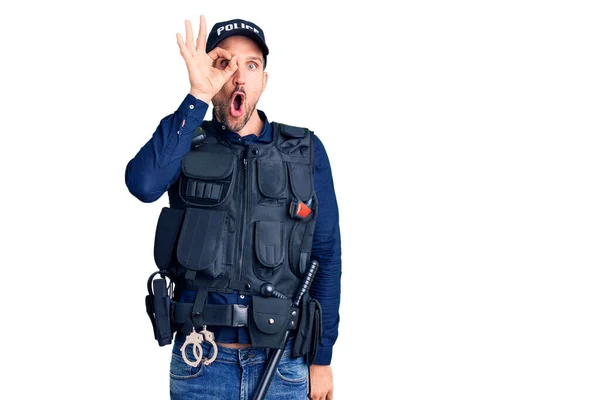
(293, 370)
(180, 370)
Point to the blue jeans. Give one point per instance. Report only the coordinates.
(235, 374)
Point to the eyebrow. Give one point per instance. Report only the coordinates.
(254, 58)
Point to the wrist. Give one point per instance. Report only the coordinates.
(201, 96)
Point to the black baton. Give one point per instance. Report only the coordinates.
(275, 356)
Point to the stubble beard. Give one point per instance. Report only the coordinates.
(222, 113)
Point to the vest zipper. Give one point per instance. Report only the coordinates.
(244, 213)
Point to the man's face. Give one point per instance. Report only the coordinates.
(236, 102)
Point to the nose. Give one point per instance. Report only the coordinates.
(239, 76)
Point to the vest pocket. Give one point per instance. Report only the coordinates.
(268, 242)
(167, 232)
(301, 181)
(298, 254)
(269, 239)
(272, 182)
(207, 178)
(200, 246)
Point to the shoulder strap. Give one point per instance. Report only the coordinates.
(202, 135)
(289, 136)
(291, 131)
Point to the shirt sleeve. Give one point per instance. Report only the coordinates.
(158, 163)
(326, 248)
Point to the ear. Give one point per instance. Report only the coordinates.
(265, 79)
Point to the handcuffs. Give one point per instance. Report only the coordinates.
(196, 339)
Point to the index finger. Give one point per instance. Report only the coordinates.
(201, 42)
(219, 52)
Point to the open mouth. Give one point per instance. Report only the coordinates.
(237, 104)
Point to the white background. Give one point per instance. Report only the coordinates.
(463, 138)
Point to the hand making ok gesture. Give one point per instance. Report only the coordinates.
(205, 80)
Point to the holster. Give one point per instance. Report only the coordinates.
(309, 332)
(158, 307)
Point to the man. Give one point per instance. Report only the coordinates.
(251, 203)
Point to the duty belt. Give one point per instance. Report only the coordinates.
(235, 315)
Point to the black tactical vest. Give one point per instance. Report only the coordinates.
(234, 224)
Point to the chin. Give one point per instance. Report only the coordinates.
(235, 124)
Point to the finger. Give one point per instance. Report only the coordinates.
(219, 52)
(182, 49)
(201, 43)
(231, 67)
(189, 36)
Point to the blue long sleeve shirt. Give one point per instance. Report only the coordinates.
(157, 166)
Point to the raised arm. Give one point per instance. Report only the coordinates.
(157, 164)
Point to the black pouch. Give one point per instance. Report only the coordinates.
(309, 332)
(158, 307)
(167, 233)
(269, 321)
(207, 180)
(201, 241)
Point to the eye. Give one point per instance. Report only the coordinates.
(224, 63)
(253, 66)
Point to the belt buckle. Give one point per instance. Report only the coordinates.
(239, 315)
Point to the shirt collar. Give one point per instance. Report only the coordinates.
(265, 135)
